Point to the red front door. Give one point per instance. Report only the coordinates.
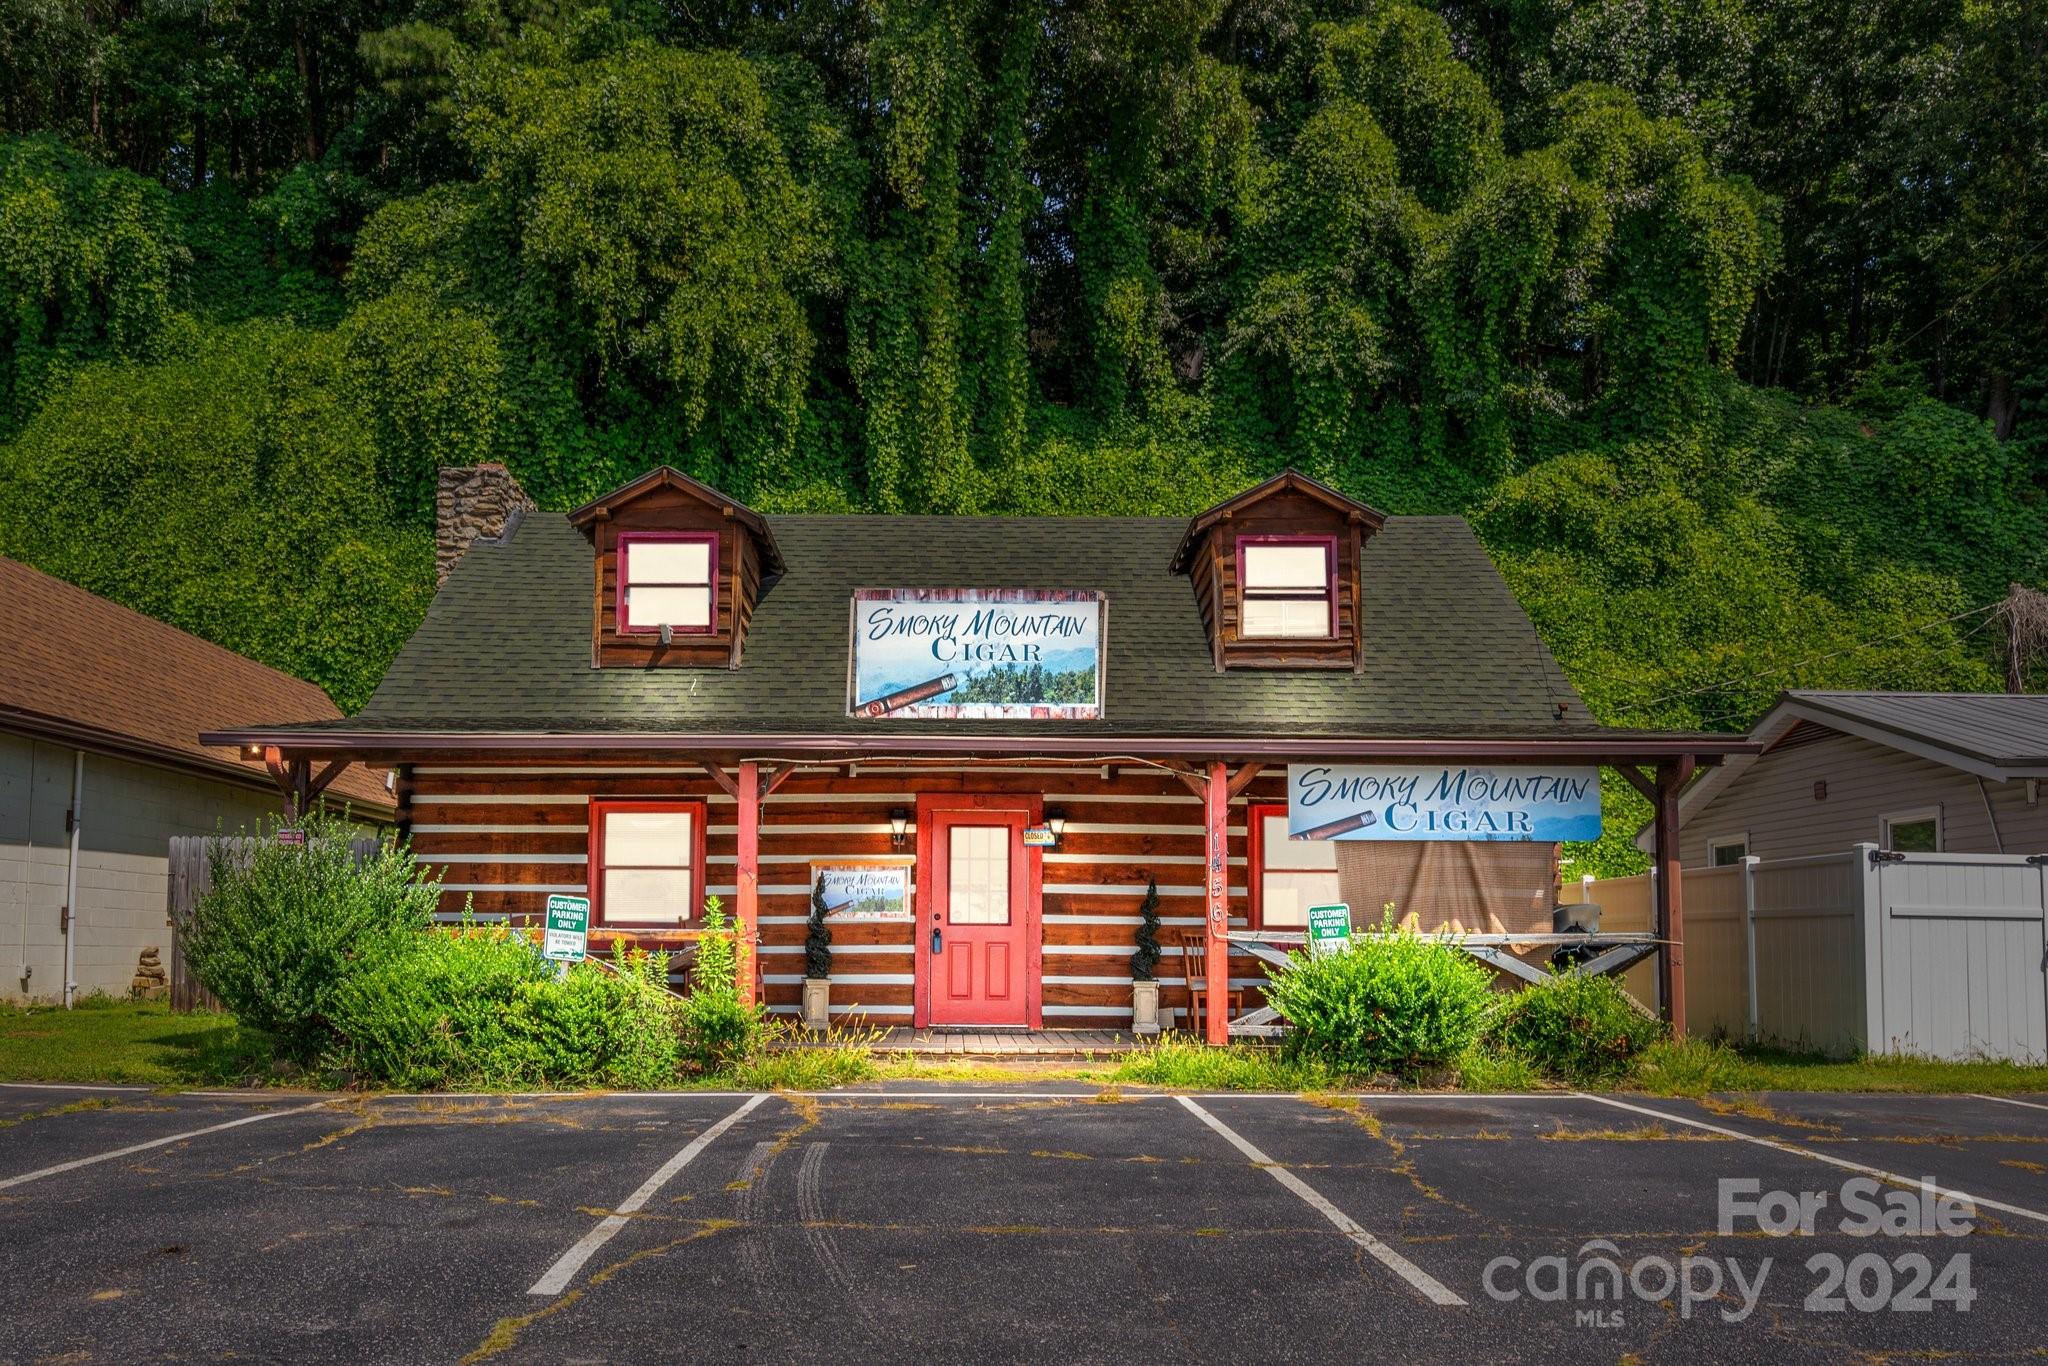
(980, 915)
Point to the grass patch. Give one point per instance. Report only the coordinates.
(1696, 1067)
(127, 1043)
(1184, 1064)
(1496, 1067)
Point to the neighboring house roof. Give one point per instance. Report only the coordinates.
(505, 648)
(78, 669)
(1994, 736)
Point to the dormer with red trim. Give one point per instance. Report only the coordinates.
(678, 569)
(1276, 574)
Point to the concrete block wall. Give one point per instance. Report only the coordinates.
(131, 812)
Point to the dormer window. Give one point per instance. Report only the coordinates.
(1288, 586)
(667, 578)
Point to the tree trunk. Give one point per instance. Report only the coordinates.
(2003, 408)
(309, 81)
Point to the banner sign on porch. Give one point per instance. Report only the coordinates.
(874, 890)
(1542, 803)
(1329, 929)
(568, 929)
(976, 652)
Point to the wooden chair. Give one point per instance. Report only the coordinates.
(1193, 946)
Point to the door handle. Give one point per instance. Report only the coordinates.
(938, 941)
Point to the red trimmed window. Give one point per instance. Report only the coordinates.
(1287, 876)
(667, 578)
(646, 863)
(1287, 587)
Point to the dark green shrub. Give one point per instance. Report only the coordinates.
(1577, 1028)
(720, 1026)
(817, 937)
(284, 927)
(479, 1006)
(1145, 962)
(1397, 1004)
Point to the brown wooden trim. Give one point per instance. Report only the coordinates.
(1243, 779)
(1638, 781)
(725, 781)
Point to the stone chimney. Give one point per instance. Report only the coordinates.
(473, 502)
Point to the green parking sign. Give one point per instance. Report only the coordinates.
(1329, 929)
(568, 929)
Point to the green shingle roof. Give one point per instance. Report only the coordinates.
(506, 644)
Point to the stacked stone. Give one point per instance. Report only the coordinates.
(150, 978)
(472, 502)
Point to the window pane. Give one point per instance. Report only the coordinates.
(1285, 617)
(1279, 851)
(656, 839)
(1914, 837)
(668, 606)
(978, 875)
(648, 896)
(668, 562)
(1287, 566)
(1284, 897)
(1729, 853)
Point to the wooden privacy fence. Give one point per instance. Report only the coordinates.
(1938, 955)
(192, 878)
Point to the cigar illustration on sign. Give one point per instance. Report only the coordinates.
(907, 697)
(1334, 829)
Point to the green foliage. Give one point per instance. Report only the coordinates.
(1145, 962)
(480, 1006)
(817, 937)
(1188, 1064)
(1576, 1027)
(721, 1027)
(284, 927)
(263, 268)
(1399, 1003)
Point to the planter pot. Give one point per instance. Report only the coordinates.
(1144, 1007)
(817, 1003)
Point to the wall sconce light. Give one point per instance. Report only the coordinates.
(252, 752)
(899, 827)
(1056, 821)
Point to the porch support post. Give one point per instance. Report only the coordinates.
(1671, 777)
(1216, 901)
(747, 913)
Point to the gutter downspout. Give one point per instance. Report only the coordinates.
(1991, 814)
(73, 821)
(1749, 863)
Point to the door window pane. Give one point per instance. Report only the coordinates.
(978, 875)
(1296, 874)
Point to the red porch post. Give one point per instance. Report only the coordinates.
(747, 913)
(1216, 901)
(1671, 777)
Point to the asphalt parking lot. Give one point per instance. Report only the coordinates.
(1013, 1223)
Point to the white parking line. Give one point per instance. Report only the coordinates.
(563, 1271)
(1430, 1288)
(2008, 1100)
(76, 1163)
(1862, 1168)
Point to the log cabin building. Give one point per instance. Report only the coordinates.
(665, 696)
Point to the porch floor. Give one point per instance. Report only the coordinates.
(1021, 1042)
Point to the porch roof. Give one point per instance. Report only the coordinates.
(503, 659)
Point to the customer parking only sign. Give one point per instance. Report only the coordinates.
(568, 931)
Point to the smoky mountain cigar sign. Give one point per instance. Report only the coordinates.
(1442, 802)
(976, 652)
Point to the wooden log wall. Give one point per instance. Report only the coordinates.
(504, 836)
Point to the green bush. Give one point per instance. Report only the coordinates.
(720, 1026)
(1576, 1027)
(1399, 1004)
(284, 927)
(480, 1006)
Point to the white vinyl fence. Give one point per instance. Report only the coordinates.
(1937, 955)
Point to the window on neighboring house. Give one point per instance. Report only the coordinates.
(667, 579)
(1914, 832)
(1287, 876)
(1723, 852)
(1287, 587)
(646, 860)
